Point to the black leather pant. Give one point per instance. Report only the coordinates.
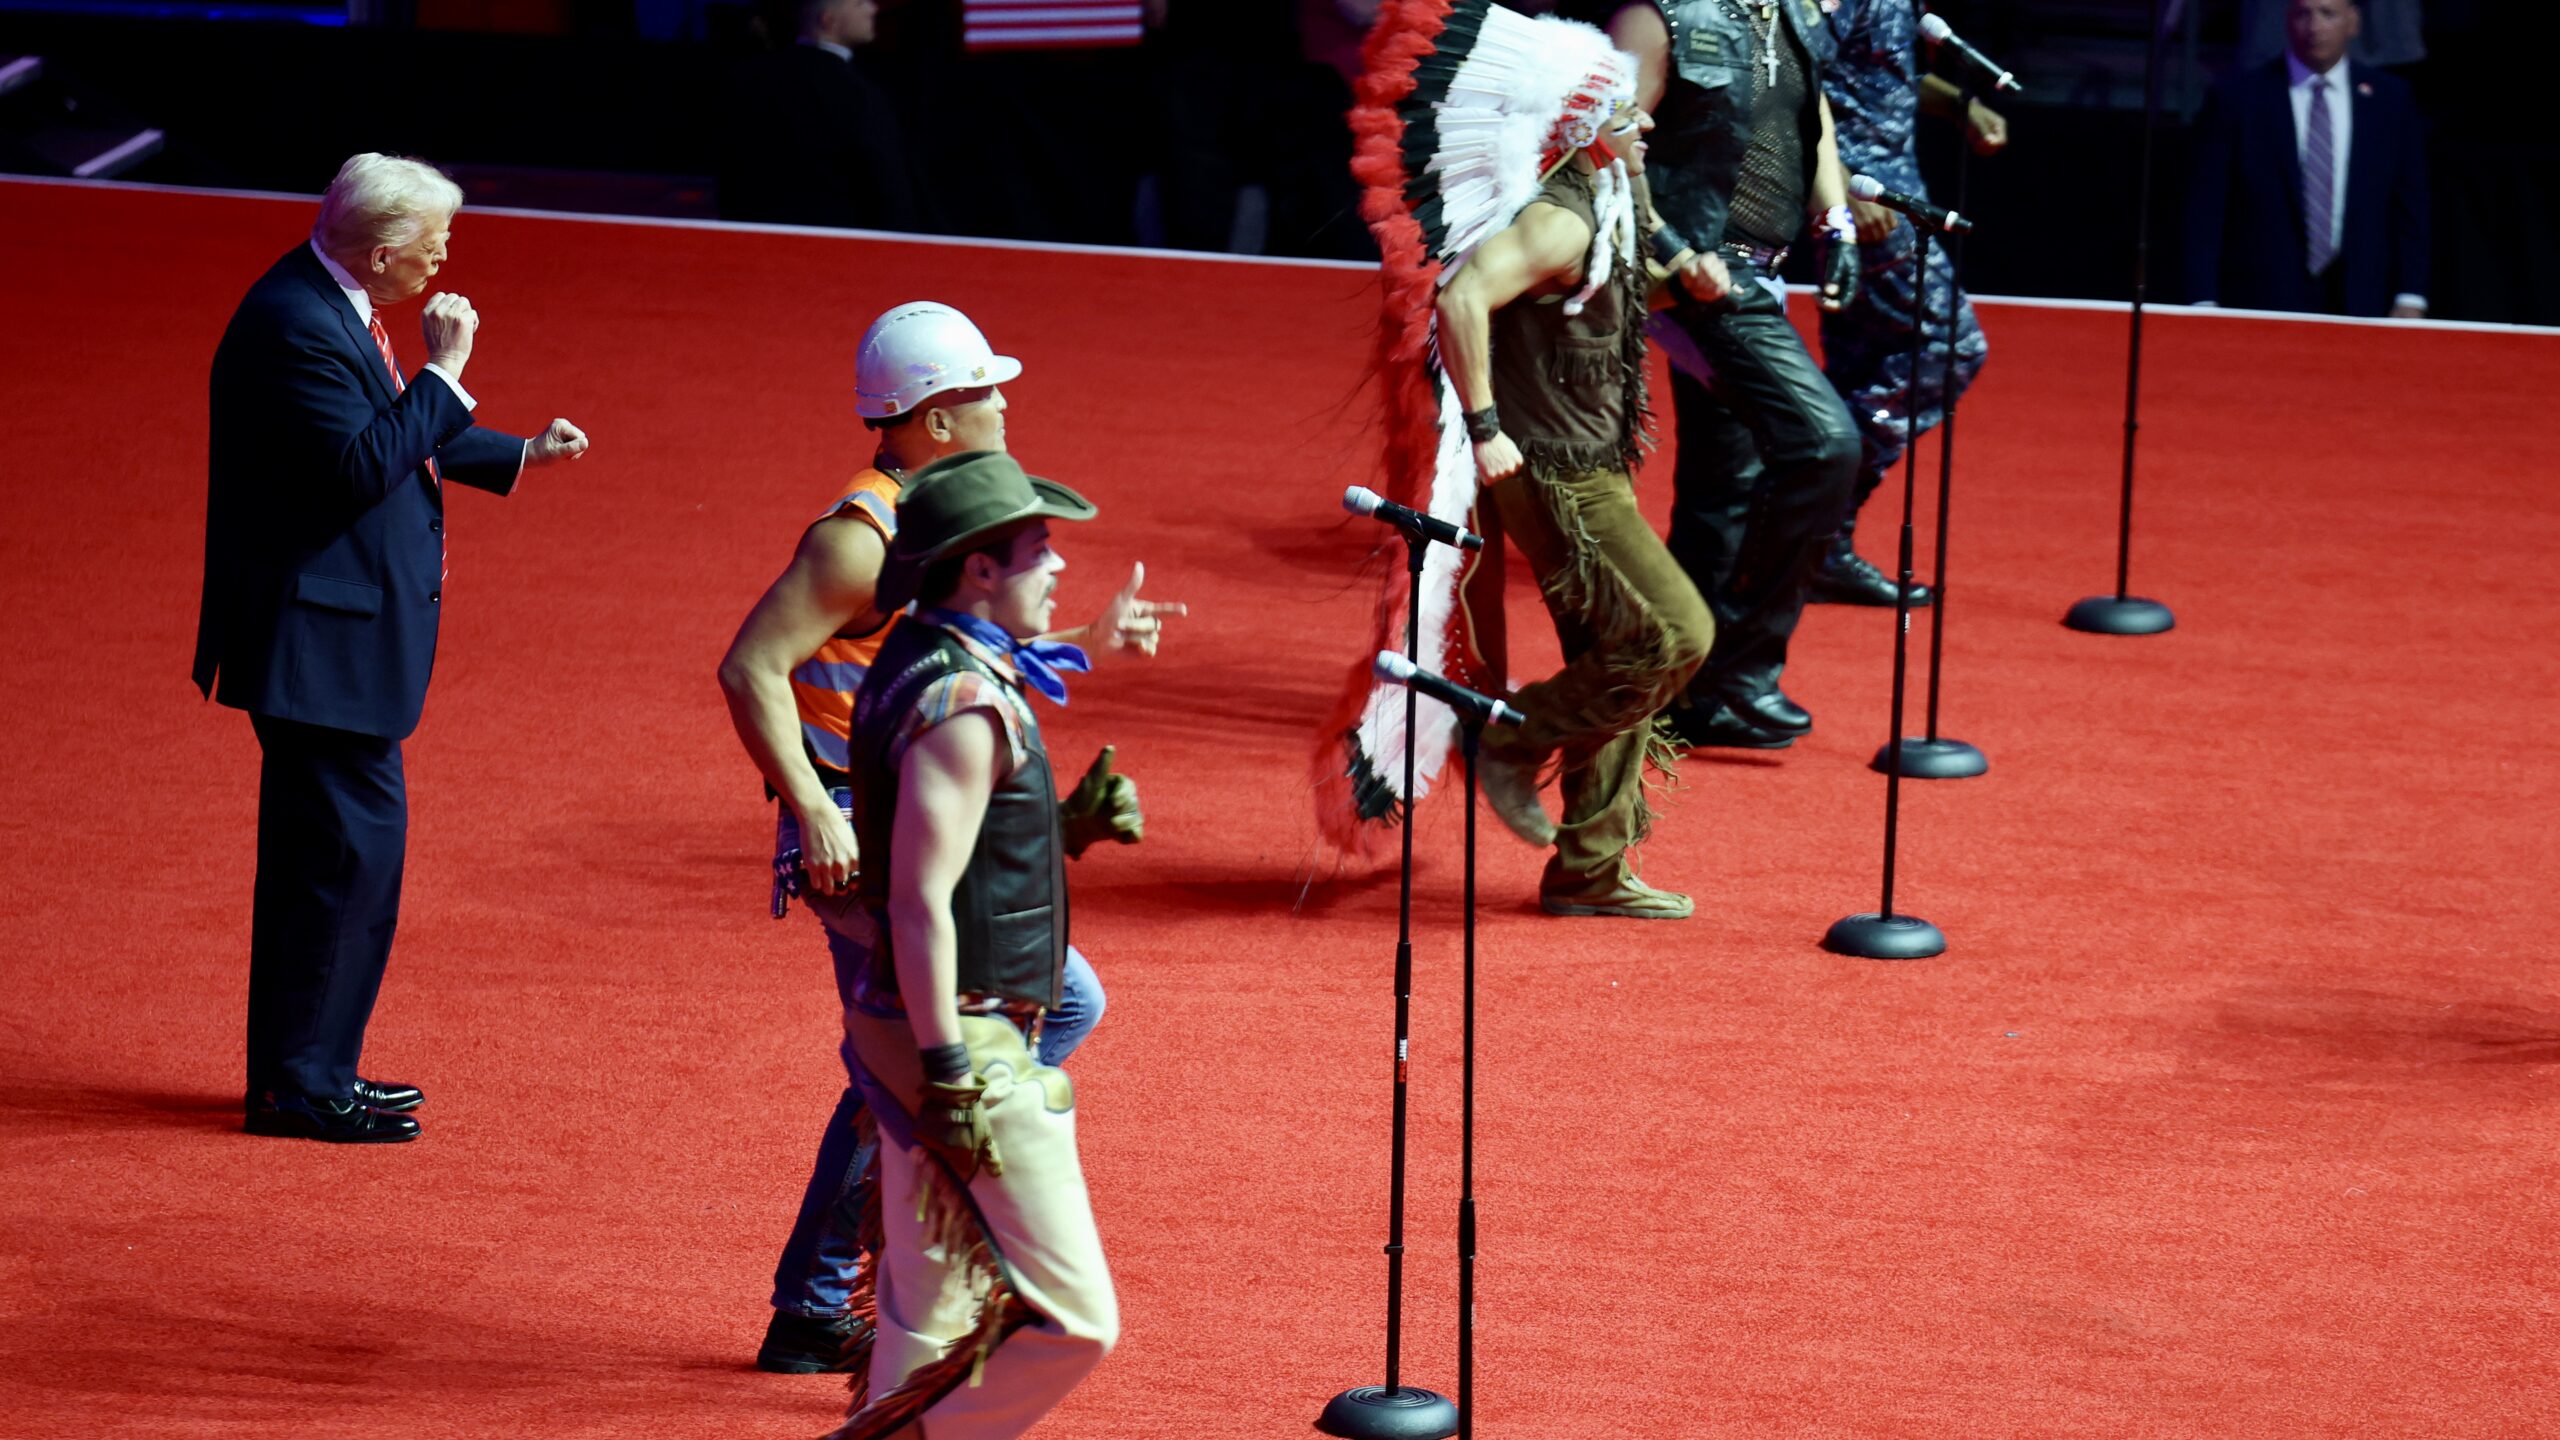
(1768, 455)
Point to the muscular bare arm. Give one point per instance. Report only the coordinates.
(1637, 29)
(1830, 181)
(943, 787)
(1541, 250)
(1831, 192)
(827, 586)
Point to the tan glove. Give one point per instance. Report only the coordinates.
(1103, 806)
(951, 1124)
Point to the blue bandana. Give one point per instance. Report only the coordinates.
(1038, 661)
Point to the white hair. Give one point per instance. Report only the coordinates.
(383, 200)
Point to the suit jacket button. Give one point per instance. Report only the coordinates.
(436, 525)
(435, 597)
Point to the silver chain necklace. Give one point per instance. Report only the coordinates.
(1766, 34)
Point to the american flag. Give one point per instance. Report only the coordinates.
(1049, 24)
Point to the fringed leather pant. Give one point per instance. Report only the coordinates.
(993, 1302)
(1633, 629)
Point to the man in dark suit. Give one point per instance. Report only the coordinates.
(323, 585)
(808, 139)
(2310, 186)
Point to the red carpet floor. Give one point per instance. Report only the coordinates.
(2229, 1112)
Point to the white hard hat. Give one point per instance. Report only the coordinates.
(921, 349)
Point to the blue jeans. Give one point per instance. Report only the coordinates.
(816, 1272)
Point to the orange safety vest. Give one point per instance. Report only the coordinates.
(823, 685)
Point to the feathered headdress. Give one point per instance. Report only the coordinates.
(1464, 110)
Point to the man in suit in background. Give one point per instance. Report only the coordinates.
(323, 585)
(2310, 182)
(808, 139)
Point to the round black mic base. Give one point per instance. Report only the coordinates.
(2120, 615)
(1373, 1412)
(1884, 937)
(1930, 759)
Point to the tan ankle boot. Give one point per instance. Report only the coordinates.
(1626, 898)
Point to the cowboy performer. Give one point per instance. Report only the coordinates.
(993, 1296)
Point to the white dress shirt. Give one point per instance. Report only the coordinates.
(363, 303)
(2342, 129)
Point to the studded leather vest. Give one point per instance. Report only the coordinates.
(1009, 910)
(1702, 127)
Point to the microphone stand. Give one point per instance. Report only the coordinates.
(1395, 1411)
(1936, 757)
(2121, 613)
(1472, 731)
(1884, 935)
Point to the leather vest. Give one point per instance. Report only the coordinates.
(1009, 911)
(1702, 127)
(1571, 387)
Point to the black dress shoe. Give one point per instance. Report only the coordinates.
(1847, 579)
(1770, 710)
(382, 1095)
(341, 1122)
(806, 1345)
(1704, 726)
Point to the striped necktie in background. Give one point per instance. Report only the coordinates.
(2319, 180)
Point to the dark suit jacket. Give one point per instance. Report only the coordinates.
(808, 139)
(324, 535)
(2244, 244)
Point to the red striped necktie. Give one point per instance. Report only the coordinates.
(399, 386)
(382, 342)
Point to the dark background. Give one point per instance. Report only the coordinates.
(616, 105)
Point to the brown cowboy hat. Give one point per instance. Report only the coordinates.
(959, 500)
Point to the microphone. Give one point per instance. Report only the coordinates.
(1361, 500)
(1944, 35)
(1871, 190)
(1482, 709)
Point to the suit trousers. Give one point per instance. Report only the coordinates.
(1767, 458)
(333, 832)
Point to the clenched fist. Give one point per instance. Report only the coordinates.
(450, 324)
(1706, 278)
(563, 441)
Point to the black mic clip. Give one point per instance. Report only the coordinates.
(1473, 708)
(1417, 526)
(1920, 212)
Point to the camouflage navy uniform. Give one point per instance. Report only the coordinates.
(1874, 88)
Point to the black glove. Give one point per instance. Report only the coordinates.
(1839, 274)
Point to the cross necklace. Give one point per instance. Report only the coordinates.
(1768, 32)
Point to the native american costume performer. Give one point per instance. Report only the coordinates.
(1501, 157)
